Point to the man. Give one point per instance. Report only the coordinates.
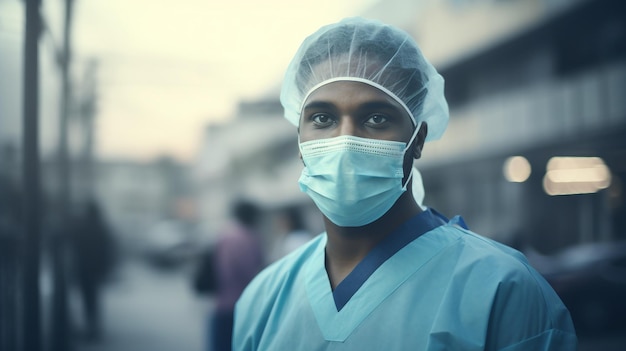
(93, 252)
(237, 258)
(386, 274)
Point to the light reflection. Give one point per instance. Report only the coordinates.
(576, 175)
(516, 169)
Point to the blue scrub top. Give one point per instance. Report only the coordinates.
(437, 286)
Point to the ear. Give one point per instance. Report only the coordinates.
(419, 141)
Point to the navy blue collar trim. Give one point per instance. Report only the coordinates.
(406, 233)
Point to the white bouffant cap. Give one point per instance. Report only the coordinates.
(368, 51)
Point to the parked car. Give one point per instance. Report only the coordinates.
(591, 281)
(171, 243)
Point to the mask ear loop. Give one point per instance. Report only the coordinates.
(408, 146)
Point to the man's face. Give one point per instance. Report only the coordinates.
(353, 108)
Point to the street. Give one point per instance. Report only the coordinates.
(149, 310)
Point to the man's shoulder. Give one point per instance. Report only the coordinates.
(509, 273)
(273, 277)
(498, 265)
(267, 292)
(504, 276)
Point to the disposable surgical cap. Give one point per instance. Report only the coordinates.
(371, 52)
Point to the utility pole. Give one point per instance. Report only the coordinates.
(31, 322)
(87, 110)
(64, 158)
(60, 321)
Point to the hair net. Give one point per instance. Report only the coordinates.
(371, 52)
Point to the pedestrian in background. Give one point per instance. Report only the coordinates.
(238, 257)
(94, 254)
(290, 223)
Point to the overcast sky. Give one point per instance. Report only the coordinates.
(167, 68)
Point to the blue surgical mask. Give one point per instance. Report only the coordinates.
(353, 181)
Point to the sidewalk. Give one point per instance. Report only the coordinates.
(150, 310)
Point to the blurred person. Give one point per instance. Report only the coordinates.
(291, 223)
(93, 251)
(386, 273)
(238, 257)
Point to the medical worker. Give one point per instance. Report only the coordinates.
(386, 274)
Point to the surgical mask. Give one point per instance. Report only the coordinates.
(354, 181)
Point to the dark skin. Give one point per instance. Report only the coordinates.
(358, 109)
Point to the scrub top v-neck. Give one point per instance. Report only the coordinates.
(407, 232)
(366, 286)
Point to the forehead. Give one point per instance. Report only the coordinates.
(352, 94)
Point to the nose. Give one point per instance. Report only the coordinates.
(347, 126)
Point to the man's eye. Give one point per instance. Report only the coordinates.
(321, 119)
(376, 120)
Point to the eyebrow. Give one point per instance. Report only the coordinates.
(379, 105)
(318, 105)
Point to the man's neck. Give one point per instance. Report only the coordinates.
(347, 246)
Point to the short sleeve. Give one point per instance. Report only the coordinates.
(528, 315)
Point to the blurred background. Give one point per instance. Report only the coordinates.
(128, 129)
